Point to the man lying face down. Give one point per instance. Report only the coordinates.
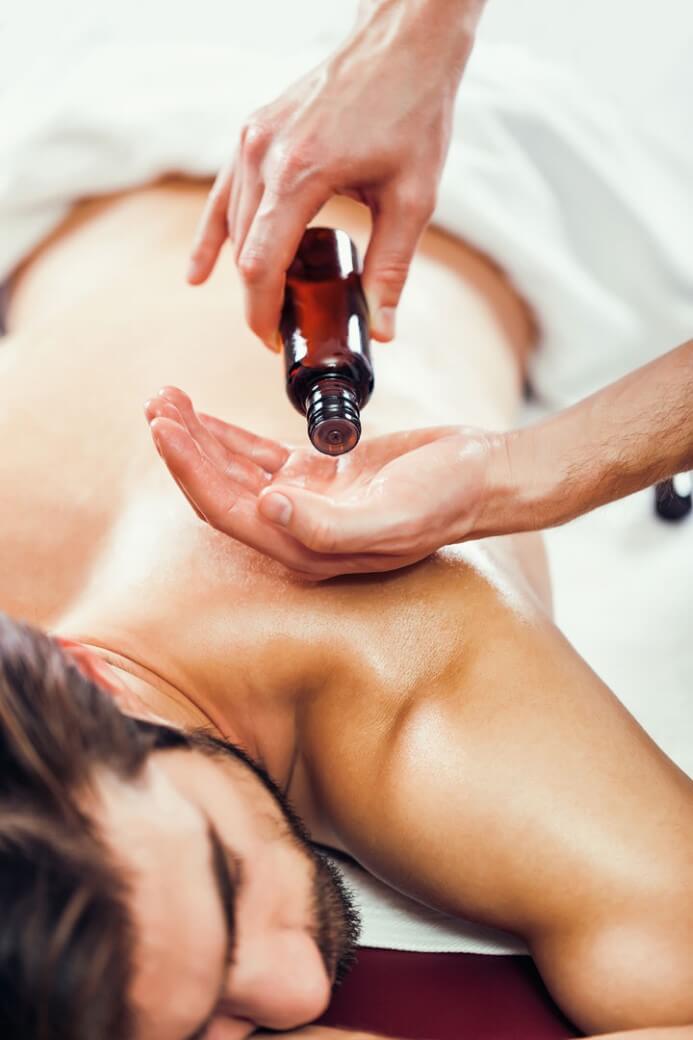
(155, 881)
(132, 856)
(432, 723)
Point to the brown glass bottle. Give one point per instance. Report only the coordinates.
(324, 329)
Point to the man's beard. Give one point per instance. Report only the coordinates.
(337, 922)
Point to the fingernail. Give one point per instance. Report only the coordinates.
(276, 508)
(193, 270)
(383, 322)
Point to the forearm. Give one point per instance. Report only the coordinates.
(453, 14)
(445, 28)
(625, 437)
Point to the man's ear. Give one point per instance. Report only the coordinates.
(100, 672)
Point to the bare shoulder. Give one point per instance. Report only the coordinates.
(519, 792)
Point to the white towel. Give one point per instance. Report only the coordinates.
(590, 215)
(392, 921)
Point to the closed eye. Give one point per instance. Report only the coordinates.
(227, 871)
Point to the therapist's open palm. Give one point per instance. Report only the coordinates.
(390, 502)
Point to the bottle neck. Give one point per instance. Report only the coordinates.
(333, 414)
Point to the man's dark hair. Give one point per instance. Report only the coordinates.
(66, 940)
(66, 937)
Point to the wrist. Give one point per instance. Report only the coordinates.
(526, 487)
(443, 29)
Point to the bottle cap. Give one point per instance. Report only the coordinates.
(334, 419)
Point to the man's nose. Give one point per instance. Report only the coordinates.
(281, 984)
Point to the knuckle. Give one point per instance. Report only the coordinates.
(392, 271)
(253, 267)
(417, 203)
(293, 167)
(255, 140)
(222, 515)
(429, 200)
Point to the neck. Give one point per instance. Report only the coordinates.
(147, 683)
(157, 695)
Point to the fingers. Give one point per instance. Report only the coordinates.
(155, 432)
(224, 496)
(232, 464)
(235, 466)
(246, 203)
(233, 201)
(226, 504)
(269, 247)
(270, 455)
(192, 470)
(248, 185)
(212, 229)
(401, 217)
(264, 453)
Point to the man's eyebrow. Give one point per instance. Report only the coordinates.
(226, 869)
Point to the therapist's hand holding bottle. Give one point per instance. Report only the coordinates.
(397, 498)
(372, 122)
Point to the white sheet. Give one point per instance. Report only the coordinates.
(580, 196)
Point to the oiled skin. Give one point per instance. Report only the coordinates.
(512, 787)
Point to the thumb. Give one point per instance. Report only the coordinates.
(397, 226)
(316, 521)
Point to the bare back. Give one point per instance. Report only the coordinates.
(101, 318)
